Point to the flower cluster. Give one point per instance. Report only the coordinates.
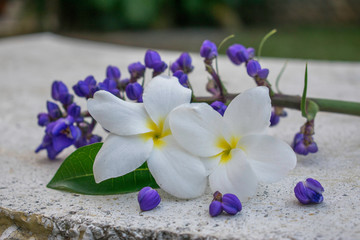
(229, 203)
(303, 141)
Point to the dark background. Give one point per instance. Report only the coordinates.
(311, 29)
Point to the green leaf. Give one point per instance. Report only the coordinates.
(279, 76)
(225, 40)
(76, 175)
(303, 98)
(272, 32)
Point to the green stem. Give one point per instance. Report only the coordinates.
(294, 102)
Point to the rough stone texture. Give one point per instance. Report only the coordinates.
(28, 210)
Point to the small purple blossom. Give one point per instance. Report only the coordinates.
(86, 88)
(254, 70)
(208, 50)
(148, 199)
(218, 106)
(134, 91)
(183, 78)
(136, 70)
(153, 61)
(309, 191)
(276, 114)
(109, 85)
(113, 73)
(184, 63)
(303, 142)
(230, 203)
(60, 92)
(238, 54)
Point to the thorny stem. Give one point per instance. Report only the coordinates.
(293, 102)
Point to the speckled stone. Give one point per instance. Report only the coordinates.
(29, 210)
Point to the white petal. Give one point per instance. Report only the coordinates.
(176, 171)
(270, 158)
(249, 112)
(162, 95)
(197, 128)
(120, 155)
(235, 176)
(118, 116)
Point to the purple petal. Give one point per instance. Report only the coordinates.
(215, 208)
(314, 185)
(263, 73)
(148, 199)
(61, 142)
(231, 204)
(253, 67)
(301, 193)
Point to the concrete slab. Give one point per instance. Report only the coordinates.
(28, 210)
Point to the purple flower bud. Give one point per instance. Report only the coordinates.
(263, 73)
(134, 91)
(312, 147)
(113, 73)
(153, 60)
(86, 88)
(253, 67)
(274, 119)
(218, 106)
(110, 86)
(53, 110)
(124, 82)
(43, 119)
(251, 52)
(148, 199)
(238, 54)
(182, 63)
(231, 204)
(183, 78)
(309, 191)
(300, 148)
(136, 70)
(74, 111)
(159, 67)
(208, 50)
(215, 208)
(60, 92)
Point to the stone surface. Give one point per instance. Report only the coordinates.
(29, 210)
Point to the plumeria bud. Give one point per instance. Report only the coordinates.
(238, 54)
(136, 70)
(309, 191)
(134, 91)
(215, 208)
(218, 106)
(113, 72)
(231, 204)
(183, 78)
(208, 50)
(148, 198)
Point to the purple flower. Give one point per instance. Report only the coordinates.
(208, 50)
(86, 88)
(275, 116)
(43, 119)
(183, 78)
(215, 208)
(153, 61)
(136, 71)
(231, 204)
(238, 54)
(53, 114)
(75, 112)
(182, 63)
(309, 191)
(303, 142)
(60, 92)
(218, 106)
(113, 73)
(254, 69)
(148, 199)
(134, 91)
(109, 85)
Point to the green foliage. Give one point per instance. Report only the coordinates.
(308, 108)
(76, 175)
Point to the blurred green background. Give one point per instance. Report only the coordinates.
(310, 29)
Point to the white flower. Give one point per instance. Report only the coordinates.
(140, 132)
(235, 149)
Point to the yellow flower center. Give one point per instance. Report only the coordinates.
(227, 147)
(157, 132)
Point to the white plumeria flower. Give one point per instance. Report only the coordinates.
(234, 147)
(140, 132)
